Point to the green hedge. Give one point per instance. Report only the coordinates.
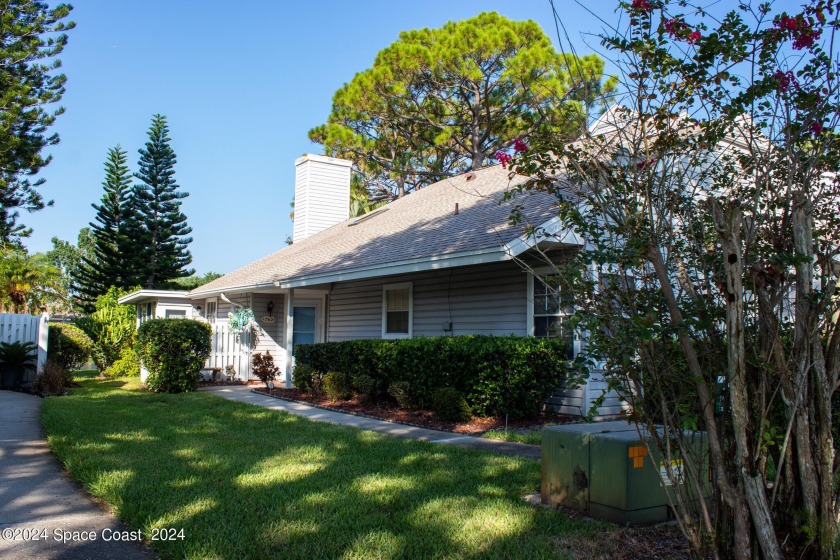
(68, 346)
(496, 374)
(174, 351)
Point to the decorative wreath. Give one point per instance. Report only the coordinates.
(240, 319)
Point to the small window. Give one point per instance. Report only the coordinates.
(210, 310)
(145, 311)
(397, 310)
(176, 314)
(553, 306)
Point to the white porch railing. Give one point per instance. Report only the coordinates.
(26, 328)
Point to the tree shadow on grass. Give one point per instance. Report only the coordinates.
(245, 482)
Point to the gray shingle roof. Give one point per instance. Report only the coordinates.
(422, 225)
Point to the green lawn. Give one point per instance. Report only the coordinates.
(245, 482)
(532, 437)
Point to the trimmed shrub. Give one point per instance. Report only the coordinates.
(264, 367)
(366, 386)
(449, 405)
(354, 357)
(306, 378)
(68, 346)
(174, 351)
(337, 385)
(127, 366)
(497, 375)
(400, 391)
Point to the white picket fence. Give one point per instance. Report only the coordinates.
(230, 349)
(26, 328)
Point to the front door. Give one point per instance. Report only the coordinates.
(306, 324)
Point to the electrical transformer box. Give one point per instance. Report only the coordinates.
(604, 469)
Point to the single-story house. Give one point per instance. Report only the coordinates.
(442, 261)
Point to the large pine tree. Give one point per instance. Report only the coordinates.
(112, 262)
(31, 36)
(161, 228)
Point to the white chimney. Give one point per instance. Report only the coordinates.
(322, 194)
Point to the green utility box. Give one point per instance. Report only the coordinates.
(604, 470)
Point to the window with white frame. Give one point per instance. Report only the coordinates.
(397, 313)
(553, 307)
(210, 310)
(145, 311)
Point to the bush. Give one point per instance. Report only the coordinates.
(354, 357)
(53, 380)
(449, 405)
(401, 392)
(111, 328)
(306, 378)
(495, 374)
(337, 385)
(127, 366)
(264, 367)
(366, 386)
(173, 351)
(68, 346)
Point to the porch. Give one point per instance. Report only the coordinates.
(283, 318)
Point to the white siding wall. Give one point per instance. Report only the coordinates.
(481, 299)
(164, 304)
(268, 336)
(322, 194)
(486, 299)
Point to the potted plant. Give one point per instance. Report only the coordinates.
(15, 357)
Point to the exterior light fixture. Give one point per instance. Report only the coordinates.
(270, 307)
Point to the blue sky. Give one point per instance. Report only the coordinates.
(241, 84)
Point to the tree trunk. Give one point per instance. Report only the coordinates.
(817, 477)
(728, 223)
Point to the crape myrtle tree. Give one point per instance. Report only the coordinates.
(439, 102)
(32, 36)
(109, 263)
(708, 286)
(160, 231)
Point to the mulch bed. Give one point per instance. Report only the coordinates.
(421, 418)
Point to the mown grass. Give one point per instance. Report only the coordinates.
(246, 482)
(532, 437)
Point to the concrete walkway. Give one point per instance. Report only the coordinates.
(243, 393)
(39, 501)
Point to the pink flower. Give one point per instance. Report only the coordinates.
(641, 5)
(519, 145)
(816, 127)
(785, 80)
(503, 158)
(646, 163)
(786, 23)
(673, 26)
(806, 39)
(677, 28)
(799, 29)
